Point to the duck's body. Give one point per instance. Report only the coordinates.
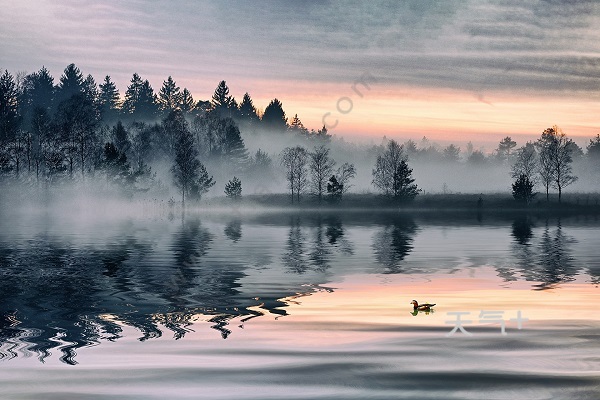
(421, 307)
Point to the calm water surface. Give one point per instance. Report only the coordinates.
(302, 305)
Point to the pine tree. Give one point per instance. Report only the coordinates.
(296, 126)
(9, 116)
(221, 100)
(274, 117)
(169, 97)
(70, 84)
(247, 109)
(522, 189)
(233, 189)
(108, 100)
(233, 146)
(132, 95)
(186, 102)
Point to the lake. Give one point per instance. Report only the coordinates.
(298, 305)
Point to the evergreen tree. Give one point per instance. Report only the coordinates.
(120, 138)
(522, 189)
(233, 189)
(451, 153)
(274, 117)
(593, 149)
(201, 185)
(504, 148)
(9, 116)
(186, 102)
(296, 127)
(71, 83)
(233, 148)
(108, 100)
(221, 100)
(247, 110)
(169, 97)
(140, 100)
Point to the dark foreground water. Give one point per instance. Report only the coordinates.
(306, 305)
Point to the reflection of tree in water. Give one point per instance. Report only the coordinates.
(233, 231)
(57, 295)
(335, 236)
(522, 230)
(547, 260)
(311, 248)
(556, 263)
(393, 243)
(294, 258)
(522, 233)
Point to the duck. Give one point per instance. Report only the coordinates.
(421, 307)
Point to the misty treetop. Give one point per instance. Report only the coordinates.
(73, 129)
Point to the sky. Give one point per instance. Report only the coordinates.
(454, 71)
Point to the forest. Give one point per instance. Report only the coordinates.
(167, 145)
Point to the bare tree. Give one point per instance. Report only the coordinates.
(526, 163)
(392, 174)
(555, 160)
(294, 159)
(344, 173)
(321, 168)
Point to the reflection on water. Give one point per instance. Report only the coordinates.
(63, 288)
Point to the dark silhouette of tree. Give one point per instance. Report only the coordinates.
(169, 96)
(334, 189)
(322, 135)
(593, 149)
(140, 100)
(233, 189)
(294, 160)
(77, 121)
(9, 105)
(201, 185)
(186, 102)
(70, 83)
(221, 101)
(344, 173)
(90, 90)
(120, 138)
(115, 166)
(38, 90)
(504, 148)
(392, 175)
(143, 137)
(522, 189)
(247, 109)
(108, 100)
(172, 128)
(555, 151)
(526, 163)
(320, 167)
(296, 127)
(451, 153)
(233, 148)
(42, 132)
(274, 118)
(186, 167)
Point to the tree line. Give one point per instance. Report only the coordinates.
(76, 129)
